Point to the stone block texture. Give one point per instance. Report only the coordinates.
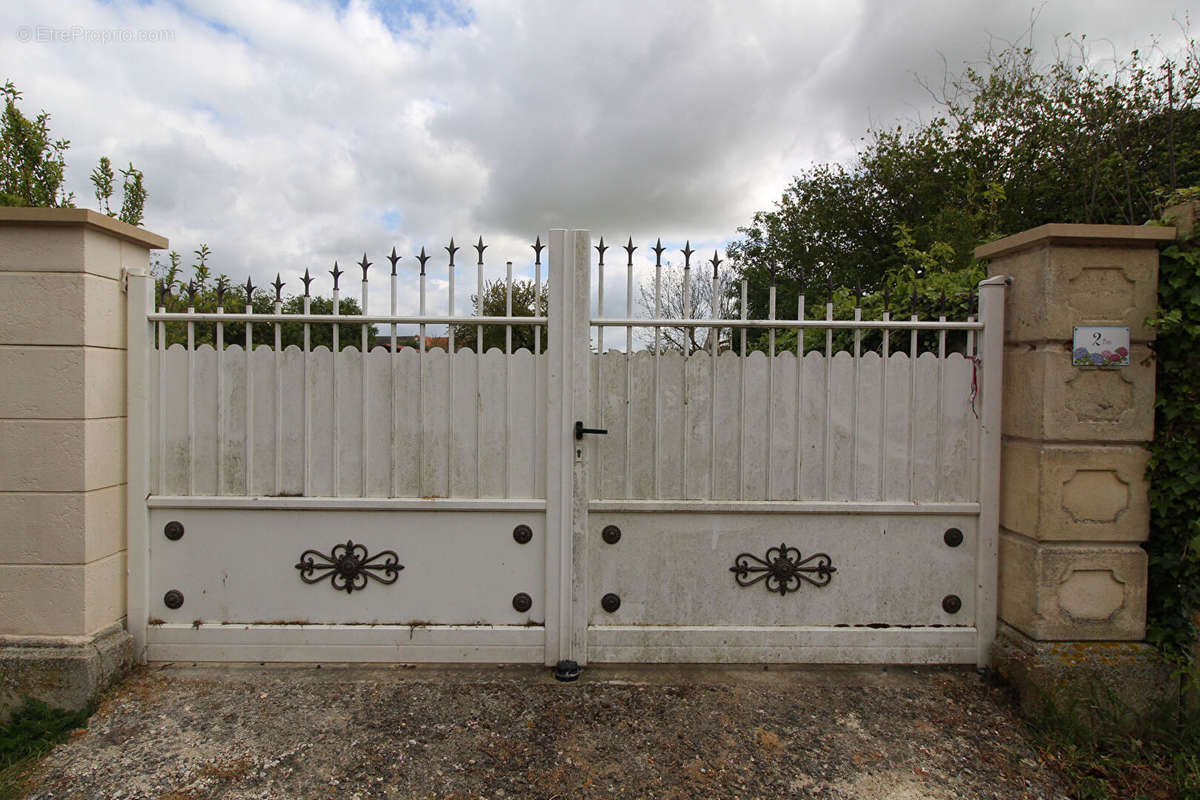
(62, 437)
(1073, 505)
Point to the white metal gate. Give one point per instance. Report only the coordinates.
(314, 503)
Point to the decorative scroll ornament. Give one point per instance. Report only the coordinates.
(783, 569)
(348, 566)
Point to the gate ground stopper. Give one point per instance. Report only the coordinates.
(566, 671)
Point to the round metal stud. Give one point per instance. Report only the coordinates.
(173, 530)
(522, 534)
(611, 534)
(173, 599)
(953, 537)
(610, 602)
(522, 602)
(951, 604)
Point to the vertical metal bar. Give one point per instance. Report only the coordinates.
(742, 400)
(421, 390)
(537, 347)
(479, 350)
(161, 429)
(828, 450)
(278, 402)
(508, 272)
(139, 383)
(394, 407)
(991, 312)
(191, 397)
(307, 398)
(220, 339)
(333, 454)
(714, 335)
(912, 410)
(973, 449)
(249, 442)
(595, 473)
(686, 356)
(854, 434)
(629, 372)
(885, 351)
(799, 392)
(938, 478)
(770, 394)
(450, 384)
(657, 392)
(364, 424)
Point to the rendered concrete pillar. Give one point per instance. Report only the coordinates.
(1073, 508)
(62, 449)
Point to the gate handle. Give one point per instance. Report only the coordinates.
(580, 430)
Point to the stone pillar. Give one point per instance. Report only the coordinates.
(1073, 507)
(62, 450)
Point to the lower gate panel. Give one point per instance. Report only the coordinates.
(235, 584)
(782, 587)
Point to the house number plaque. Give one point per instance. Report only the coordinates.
(1100, 347)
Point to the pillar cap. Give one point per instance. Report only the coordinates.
(86, 217)
(1078, 235)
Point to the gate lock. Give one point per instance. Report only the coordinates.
(580, 430)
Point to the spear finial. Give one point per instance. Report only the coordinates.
(364, 264)
(222, 286)
(687, 254)
(600, 248)
(716, 262)
(394, 258)
(538, 247)
(336, 272)
(451, 250)
(629, 248)
(164, 292)
(308, 279)
(479, 248)
(658, 251)
(278, 284)
(249, 292)
(422, 258)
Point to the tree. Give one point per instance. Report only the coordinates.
(671, 304)
(1013, 145)
(204, 293)
(32, 164)
(33, 167)
(495, 304)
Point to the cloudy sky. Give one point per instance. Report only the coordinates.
(289, 133)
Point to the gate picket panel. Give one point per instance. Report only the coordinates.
(671, 413)
(754, 415)
(841, 442)
(898, 419)
(525, 411)
(291, 427)
(204, 420)
(379, 423)
(320, 421)
(436, 423)
(867, 431)
(176, 387)
(812, 428)
(411, 441)
(699, 425)
(729, 443)
(783, 425)
(262, 383)
(493, 418)
(642, 445)
(463, 423)
(609, 472)
(926, 428)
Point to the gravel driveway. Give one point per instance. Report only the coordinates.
(187, 733)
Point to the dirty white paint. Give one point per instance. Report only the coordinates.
(867, 457)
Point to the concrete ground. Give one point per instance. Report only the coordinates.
(197, 732)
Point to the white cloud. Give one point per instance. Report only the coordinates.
(288, 134)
